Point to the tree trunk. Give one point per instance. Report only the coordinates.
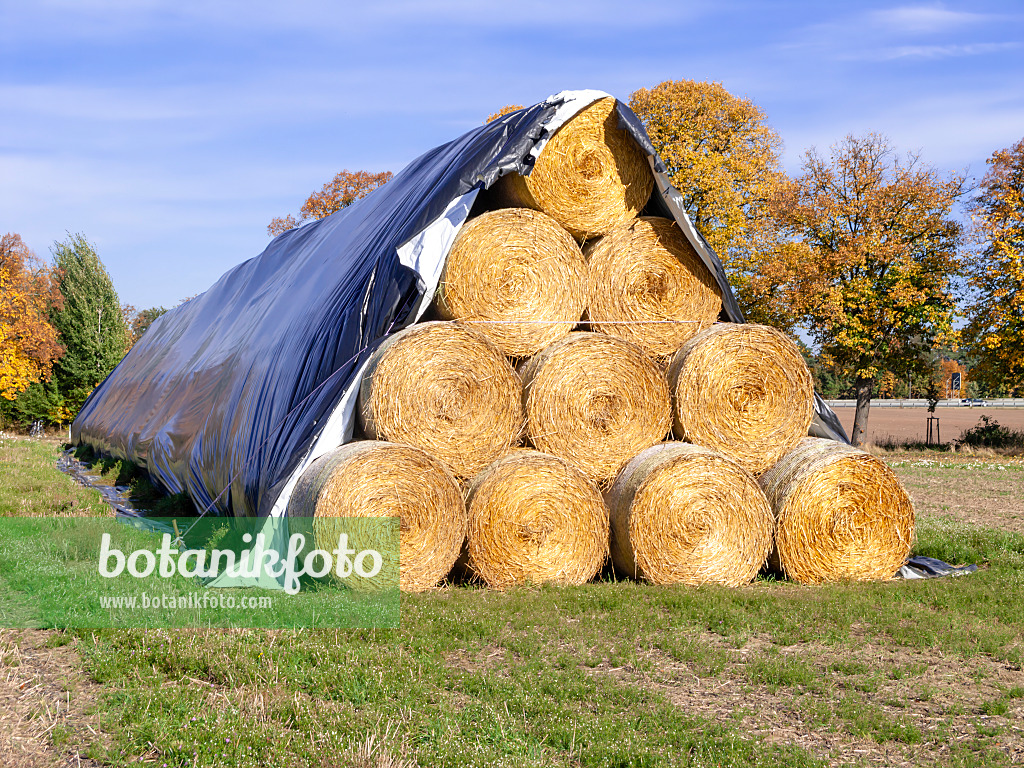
(860, 418)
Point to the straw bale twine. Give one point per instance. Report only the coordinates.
(590, 175)
(521, 274)
(534, 518)
(370, 479)
(595, 400)
(446, 389)
(742, 390)
(649, 286)
(842, 514)
(682, 514)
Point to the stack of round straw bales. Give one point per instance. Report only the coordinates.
(580, 398)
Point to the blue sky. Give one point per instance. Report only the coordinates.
(170, 133)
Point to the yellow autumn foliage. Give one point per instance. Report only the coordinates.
(995, 315)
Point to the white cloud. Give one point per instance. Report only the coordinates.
(932, 51)
(924, 19)
(956, 130)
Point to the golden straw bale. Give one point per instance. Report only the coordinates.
(842, 514)
(534, 518)
(446, 389)
(370, 479)
(742, 390)
(595, 400)
(649, 286)
(682, 514)
(590, 176)
(520, 274)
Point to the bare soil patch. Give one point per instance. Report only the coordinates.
(45, 703)
(875, 705)
(986, 492)
(911, 424)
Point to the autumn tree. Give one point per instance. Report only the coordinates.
(995, 329)
(28, 342)
(90, 322)
(724, 159)
(869, 268)
(139, 320)
(341, 191)
(507, 109)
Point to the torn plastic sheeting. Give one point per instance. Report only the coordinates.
(921, 567)
(231, 394)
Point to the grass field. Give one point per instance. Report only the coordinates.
(608, 674)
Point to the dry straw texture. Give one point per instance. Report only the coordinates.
(682, 514)
(521, 274)
(372, 480)
(446, 389)
(742, 390)
(534, 518)
(596, 401)
(590, 176)
(842, 514)
(649, 286)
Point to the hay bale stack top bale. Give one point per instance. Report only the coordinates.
(518, 272)
(590, 176)
(534, 518)
(373, 480)
(649, 286)
(842, 514)
(445, 389)
(742, 390)
(682, 514)
(596, 401)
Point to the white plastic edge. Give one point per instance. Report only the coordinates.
(425, 254)
(573, 102)
(663, 186)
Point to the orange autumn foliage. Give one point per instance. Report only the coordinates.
(995, 330)
(870, 262)
(502, 112)
(344, 189)
(28, 342)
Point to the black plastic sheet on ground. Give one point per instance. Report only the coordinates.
(230, 395)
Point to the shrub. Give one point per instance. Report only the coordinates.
(989, 433)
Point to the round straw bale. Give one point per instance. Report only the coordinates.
(742, 390)
(595, 400)
(534, 518)
(370, 479)
(682, 514)
(649, 286)
(590, 175)
(518, 272)
(446, 389)
(842, 514)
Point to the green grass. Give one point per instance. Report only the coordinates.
(583, 676)
(31, 485)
